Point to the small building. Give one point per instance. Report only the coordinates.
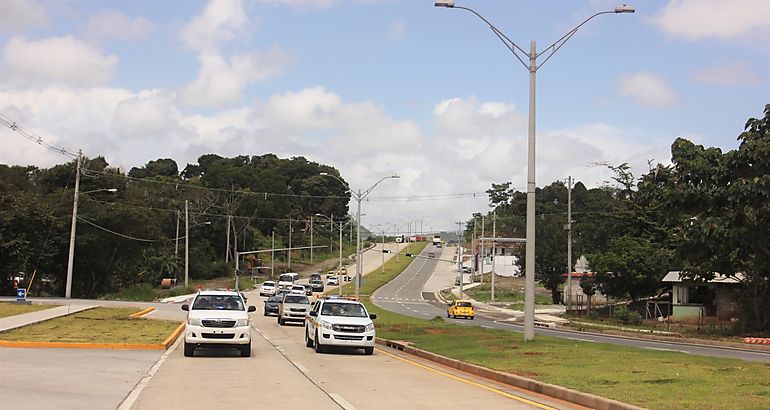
(698, 299)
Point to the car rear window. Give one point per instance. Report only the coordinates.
(268, 284)
(464, 304)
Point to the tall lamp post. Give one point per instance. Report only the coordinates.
(358, 196)
(341, 226)
(532, 67)
(73, 228)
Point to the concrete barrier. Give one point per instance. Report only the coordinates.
(552, 390)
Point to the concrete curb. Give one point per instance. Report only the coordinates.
(142, 313)
(551, 390)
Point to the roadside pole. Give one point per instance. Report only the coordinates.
(494, 252)
(481, 277)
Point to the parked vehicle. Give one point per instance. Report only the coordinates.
(271, 304)
(293, 308)
(339, 322)
(332, 280)
(218, 318)
(460, 308)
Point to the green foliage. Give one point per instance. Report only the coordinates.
(628, 317)
(631, 267)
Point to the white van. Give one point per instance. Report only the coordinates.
(287, 279)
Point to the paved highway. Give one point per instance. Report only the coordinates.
(413, 293)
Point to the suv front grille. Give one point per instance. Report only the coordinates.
(218, 335)
(349, 328)
(218, 323)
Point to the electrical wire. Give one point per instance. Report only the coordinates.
(120, 234)
(34, 138)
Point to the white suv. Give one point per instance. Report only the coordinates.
(267, 288)
(218, 318)
(339, 322)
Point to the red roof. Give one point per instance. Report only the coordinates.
(578, 274)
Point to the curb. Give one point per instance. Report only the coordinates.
(142, 313)
(118, 346)
(552, 390)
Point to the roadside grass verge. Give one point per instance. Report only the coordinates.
(376, 278)
(652, 379)
(13, 309)
(507, 289)
(99, 325)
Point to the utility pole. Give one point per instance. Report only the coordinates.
(289, 245)
(187, 242)
(395, 233)
(481, 277)
(71, 258)
(460, 256)
(568, 227)
(235, 254)
(311, 240)
(474, 252)
(339, 269)
(176, 238)
(227, 234)
(272, 257)
(494, 251)
(383, 250)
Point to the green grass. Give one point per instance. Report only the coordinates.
(13, 309)
(99, 325)
(653, 379)
(507, 289)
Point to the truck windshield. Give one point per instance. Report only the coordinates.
(286, 278)
(218, 302)
(296, 299)
(343, 309)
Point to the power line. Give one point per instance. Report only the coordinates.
(120, 234)
(34, 138)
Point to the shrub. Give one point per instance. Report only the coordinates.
(628, 317)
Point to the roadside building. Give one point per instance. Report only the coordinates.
(693, 300)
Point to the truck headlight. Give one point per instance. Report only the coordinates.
(241, 322)
(326, 325)
(193, 322)
(369, 327)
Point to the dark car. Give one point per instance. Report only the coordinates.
(317, 285)
(308, 289)
(271, 304)
(314, 276)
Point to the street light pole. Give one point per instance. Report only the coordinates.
(532, 67)
(71, 258)
(186, 242)
(569, 243)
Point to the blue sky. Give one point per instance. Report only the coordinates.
(374, 87)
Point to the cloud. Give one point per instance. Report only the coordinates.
(113, 24)
(728, 74)
(220, 21)
(150, 115)
(63, 60)
(220, 81)
(715, 19)
(303, 5)
(647, 89)
(20, 15)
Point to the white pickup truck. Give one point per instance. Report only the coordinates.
(341, 323)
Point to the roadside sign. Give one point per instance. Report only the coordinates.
(21, 294)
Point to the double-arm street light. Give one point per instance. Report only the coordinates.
(532, 67)
(358, 196)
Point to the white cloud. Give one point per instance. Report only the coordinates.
(647, 89)
(113, 24)
(220, 21)
(150, 115)
(314, 4)
(62, 60)
(717, 19)
(18, 15)
(728, 74)
(220, 81)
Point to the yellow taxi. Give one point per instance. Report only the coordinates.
(460, 308)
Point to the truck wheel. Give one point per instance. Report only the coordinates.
(280, 321)
(246, 350)
(368, 351)
(189, 349)
(308, 341)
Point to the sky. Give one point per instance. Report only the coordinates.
(382, 87)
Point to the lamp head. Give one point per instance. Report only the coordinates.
(325, 174)
(625, 9)
(444, 3)
(112, 190)
(395, 176)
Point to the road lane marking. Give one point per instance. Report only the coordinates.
(301, 368)
(342, 402)
(666, 350)
(131, 398)
(472, 383)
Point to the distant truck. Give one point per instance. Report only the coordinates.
(437, 241)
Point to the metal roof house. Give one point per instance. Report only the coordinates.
(698, 299)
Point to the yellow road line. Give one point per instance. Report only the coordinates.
(460, 379)
(142, 312)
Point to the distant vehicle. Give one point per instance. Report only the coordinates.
(317, 285)
(218, 318)
(466, 269)
(282, 291)
(315, 275)
(298, 289)
(437, 240)
(430, 254)
(400, 239)
(271, 304)
(332, 280)
(286, 280)
(267, 288)
(460, 308)
(293, 308)
(308, 289)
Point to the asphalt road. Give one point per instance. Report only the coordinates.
(407, 295)
(283, 373)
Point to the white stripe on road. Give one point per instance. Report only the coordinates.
(342, 402)
(301, 368)
(666, 350)
(129, 401)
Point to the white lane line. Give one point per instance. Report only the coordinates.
(487, 327)
(134, 394)
(342, 402)
(580, 340)
(666, 350)
(301, 368)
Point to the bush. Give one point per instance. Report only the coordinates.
(141, 292)
(628, 317)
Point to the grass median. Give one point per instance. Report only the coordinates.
(13, 309)
(99, 325)
(653, 379)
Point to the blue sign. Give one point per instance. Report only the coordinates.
(21, 294)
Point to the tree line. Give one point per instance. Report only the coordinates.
(129, 236)
(705, 213)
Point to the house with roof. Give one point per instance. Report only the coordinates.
(693, 299)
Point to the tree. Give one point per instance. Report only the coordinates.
(631, 267)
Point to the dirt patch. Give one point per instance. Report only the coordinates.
(533, 353)
(434, 331)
